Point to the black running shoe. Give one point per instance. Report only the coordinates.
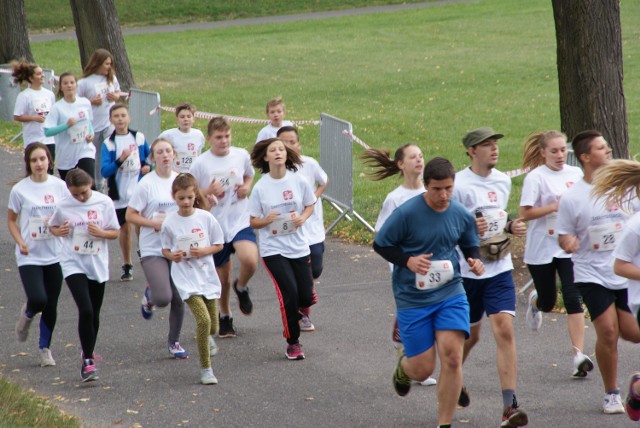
(464, 400)
(246, 306)
(226, 328)
(401, 382)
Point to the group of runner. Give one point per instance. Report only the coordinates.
(449, 245)
(192, 205)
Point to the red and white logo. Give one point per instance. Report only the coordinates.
(196, 230)
(82, 114)
(569, 184)
(48, 199)
(92, 215)
(287, 194)
(493, 196)
(191, 146)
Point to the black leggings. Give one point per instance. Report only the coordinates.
(544, 278)
(42, 285)
(86, 164)
(294, 285)
(317, 252)
(88, 295)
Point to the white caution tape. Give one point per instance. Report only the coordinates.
(204, 115)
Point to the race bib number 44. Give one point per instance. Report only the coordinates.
(604, 237)
(83, 243)
(440, 273)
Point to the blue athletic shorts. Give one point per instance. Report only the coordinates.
(222, 258)
(418, 326)
(491, 295)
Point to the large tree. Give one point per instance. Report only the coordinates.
(97, 26)
(14, 40)
(589, 41)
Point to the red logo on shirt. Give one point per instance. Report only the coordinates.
(569, 184)
(196, 230)
(493, 196)
(132, 147)
(92, 215)
(81, 114)
(191, 146)
(287, 194)
(48, 199)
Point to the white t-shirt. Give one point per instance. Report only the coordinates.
(490, 195)
(153, 200)
(34, 103)
(187, 145)
(129, 172)
(93, 85)
(82, 253)
(232, 213)
(288, 196)
(544, 186)
(34, 203)
(628, 250)
(313, 228)
(394, 199)
(271, 131)
(598, 228)
(71, 145)
(193, 276)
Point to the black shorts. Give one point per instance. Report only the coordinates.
(598, 298)
(120, 213)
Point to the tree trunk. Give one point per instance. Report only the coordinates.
(14, 39)
(590, 76)
(97, 26)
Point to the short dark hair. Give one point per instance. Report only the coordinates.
(581, 143)
(287, 129)
(438, 169)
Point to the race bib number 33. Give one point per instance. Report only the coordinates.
(440, 273)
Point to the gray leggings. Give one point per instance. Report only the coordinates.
(157, 269)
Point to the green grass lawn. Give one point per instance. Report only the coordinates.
(21, 408)
(424, 75)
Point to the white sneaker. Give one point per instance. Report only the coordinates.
(23, 324)
(612, 404)
(207, 377)
(46, 359)
(213, 347)
(534, 316)
(582, 365)
(428, 382)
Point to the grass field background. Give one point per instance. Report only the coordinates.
(423, 75)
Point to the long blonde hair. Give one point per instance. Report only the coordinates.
(617, 182)
(536, 142)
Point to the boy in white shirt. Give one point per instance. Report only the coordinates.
(124, 162)
(187, 142)
(275, 111)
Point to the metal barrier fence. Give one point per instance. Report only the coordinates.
(145, 116)
(8, 93)
(336, 158)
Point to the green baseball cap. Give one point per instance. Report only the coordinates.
(479, 135)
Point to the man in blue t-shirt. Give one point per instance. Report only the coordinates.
(420, 239)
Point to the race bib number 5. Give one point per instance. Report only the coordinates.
(83, 243)
(604, 237)
(440, 273)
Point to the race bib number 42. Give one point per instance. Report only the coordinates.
(189, 241)
(440, 273)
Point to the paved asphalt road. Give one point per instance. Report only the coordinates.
(345, 380)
